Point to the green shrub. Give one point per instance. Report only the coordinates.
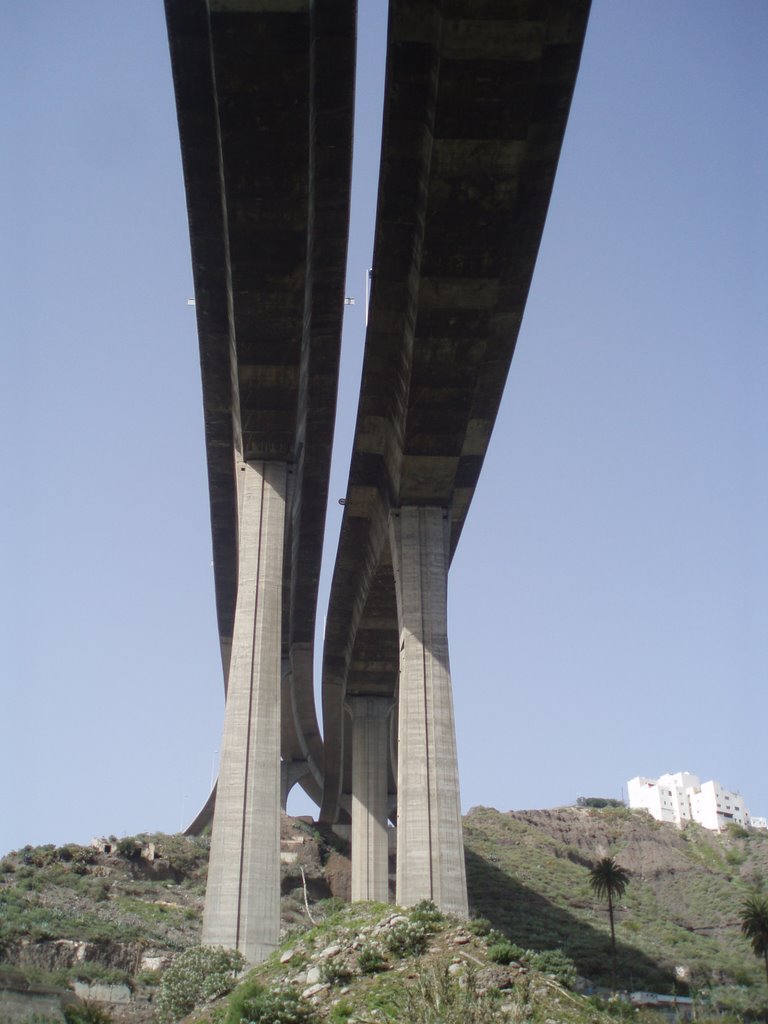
(87, 1013)
(130, 848)
(78, 854)
(599, 802)
(149, 979)
(736, 831)
(437, 996)
(197, 976)
(408, 938)
(505, 952)
(735, 857)
(341, 1012)
(32, 883)
(557, 964)
(371, 959)
(480, 926)
(97, 888)
(334, 972)
(40, 856)
(186, 855)
(254, 1004)
(330, 907)
(235, 1002)
(425, 913)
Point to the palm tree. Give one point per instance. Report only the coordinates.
(608, 879)
(754, 925)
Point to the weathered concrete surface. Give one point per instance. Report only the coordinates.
(370, 746)
(99, 992)
(430, 847)
(242, 900)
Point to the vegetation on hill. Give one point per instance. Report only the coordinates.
(608, 880)
(599, 802)
(754, 926)
(79, 893)
(77, 915)
(677, 925)
(72, 914)
(375, 964)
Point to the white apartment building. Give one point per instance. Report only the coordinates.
(683, 797)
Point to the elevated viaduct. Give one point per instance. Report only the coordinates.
(476, 101)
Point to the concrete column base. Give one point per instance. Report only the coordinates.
(370, 767)
(242, 899)
(430, 847)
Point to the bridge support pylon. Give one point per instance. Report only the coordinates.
(370, 774)
(242, 899)
(430, 847)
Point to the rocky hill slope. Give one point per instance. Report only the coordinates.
(372, 964)
(677, 926)
(108, 922)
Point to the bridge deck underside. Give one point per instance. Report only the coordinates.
(476, 102)
(265, 102)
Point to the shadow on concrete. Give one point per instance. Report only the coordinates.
(530, 920)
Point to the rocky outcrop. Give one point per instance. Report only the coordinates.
(61, 954)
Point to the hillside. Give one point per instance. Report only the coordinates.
(677, 926)
(107, 921)
(75, 916)
(371, 963)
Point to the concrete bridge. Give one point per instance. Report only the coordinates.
(476, 101)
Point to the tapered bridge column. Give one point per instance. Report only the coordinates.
(370, 774)
(242, 899)
(430, 848)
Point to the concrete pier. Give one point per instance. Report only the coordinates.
(370, 770)
(430, 849)
(242, 900)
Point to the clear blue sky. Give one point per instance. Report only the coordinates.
(609, 599)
